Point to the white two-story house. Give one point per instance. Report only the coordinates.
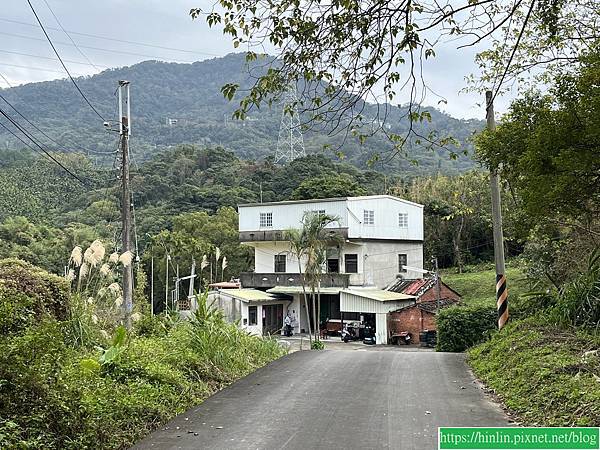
(379, 238)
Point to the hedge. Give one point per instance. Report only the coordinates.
(461, 327)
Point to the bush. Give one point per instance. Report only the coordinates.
(57, 395)
(27, 294)
(578, 301)
(461, 327)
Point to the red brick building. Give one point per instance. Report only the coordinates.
(421, 315)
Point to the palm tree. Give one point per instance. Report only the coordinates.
(311, 243)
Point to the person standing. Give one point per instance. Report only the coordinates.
(287, 325)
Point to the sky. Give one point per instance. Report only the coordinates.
(169, 34)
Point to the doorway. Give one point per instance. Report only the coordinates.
(272, 318)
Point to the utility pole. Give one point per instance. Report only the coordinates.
(125, 132)
(501, 290)
(438, 288)
(152, 286)
(167, 260)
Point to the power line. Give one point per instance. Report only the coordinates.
(42, 69)
(124, 41)
(70, 38)
(22, 130)
(5, 80)
(100, 48)
(12, 52)
(44, 133)
(63, 64)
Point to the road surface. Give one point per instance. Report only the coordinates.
(343, 399)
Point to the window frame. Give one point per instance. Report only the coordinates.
(403, 220)
(400, 269)
(268, 219)
(346, 255)
(252, 310)
(368, 216)
(282, 258)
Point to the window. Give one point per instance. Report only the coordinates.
(280, 263)
(333, 265)
(369, 217)
(252, 315)
(402, 262)
(266, 220)
(351, 263)
(403, 220)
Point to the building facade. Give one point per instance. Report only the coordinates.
(378, 240)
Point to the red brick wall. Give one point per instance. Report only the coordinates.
(413, 320)
(430, 294)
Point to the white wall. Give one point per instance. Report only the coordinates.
(377, 260)
(289, 215)
(350, 212)
(386, 210)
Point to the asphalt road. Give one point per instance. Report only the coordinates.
(336, 399)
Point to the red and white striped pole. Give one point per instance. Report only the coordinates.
(501, 290)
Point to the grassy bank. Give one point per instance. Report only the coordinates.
(478, 286)
(542, 373)
(67, 383)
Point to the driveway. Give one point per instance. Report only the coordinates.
(336, 399)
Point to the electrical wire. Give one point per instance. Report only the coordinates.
(49, 58)
(123, 52)
(61, 61)
(5, 80)
(36, 143)
(36, 127)
(70, 38)
(143, 44)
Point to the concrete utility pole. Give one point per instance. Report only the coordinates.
(152, 286)
(125, 132)
(438, 288)
(167, 260)
(501, 290)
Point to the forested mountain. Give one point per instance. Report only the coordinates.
(190, 93)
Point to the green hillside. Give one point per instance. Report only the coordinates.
(190, 93)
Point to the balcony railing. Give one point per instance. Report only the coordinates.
(269, 280)
(279, 235)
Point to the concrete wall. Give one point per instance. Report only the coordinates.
(377, 260)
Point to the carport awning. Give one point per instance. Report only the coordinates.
(298, 290)
(247, 295)
(373, 301)
(379, 294)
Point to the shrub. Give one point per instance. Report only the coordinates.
(578, 301)
(461, 327)
(27, 294)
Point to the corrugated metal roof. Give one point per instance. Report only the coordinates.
(379, 294)
(298, 290)
(332, 199)
(248, 294)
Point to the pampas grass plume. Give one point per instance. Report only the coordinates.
(126, 258)
(83, 271)
(113, 258)
(77, 256)
(105, 269)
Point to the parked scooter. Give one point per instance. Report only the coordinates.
(350, 333)
(369, 338)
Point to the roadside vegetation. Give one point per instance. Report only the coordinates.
(70, 378)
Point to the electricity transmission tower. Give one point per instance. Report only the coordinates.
(290, 144)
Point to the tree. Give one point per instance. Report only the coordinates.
(548, 149)
(343, 53)
(329, 186)
(309, 244)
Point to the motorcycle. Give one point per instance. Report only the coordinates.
(350, 333)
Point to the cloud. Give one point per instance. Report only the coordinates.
(166, 24)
